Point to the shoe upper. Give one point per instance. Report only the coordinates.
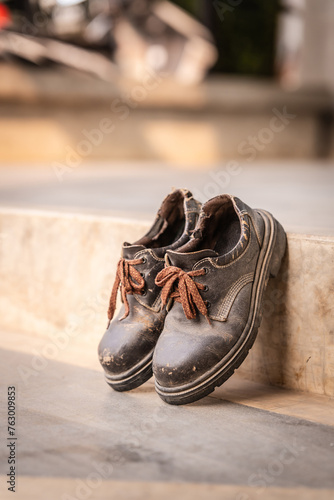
(210, 280)
(133, 333)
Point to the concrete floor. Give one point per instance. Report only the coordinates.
(70, 424)
(299, 194)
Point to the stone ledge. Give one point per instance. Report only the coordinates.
(54, 87)
(56, 273)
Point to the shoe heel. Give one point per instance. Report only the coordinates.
(279, 250)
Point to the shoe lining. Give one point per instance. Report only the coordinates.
(219, 228)
(169, 225)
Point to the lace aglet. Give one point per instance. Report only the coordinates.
(169, 304)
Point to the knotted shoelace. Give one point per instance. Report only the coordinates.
(179, 285)
(129, 279)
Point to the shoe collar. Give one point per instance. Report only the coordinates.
(187, 255)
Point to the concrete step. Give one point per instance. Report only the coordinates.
(135, 190)
(77, 438)
(56, 273)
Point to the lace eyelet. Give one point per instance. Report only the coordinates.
(144, 260)
(206, 288)
(208, 304)
(206, 270)
(144, 293)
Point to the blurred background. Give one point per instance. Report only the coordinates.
(105, 105)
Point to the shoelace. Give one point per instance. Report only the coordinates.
(179, 285)
(131, 282)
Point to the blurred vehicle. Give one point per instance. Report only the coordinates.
(108, 37)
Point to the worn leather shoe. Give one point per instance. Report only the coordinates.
(126, 349)
(213, 287)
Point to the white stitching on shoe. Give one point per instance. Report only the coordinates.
(231, 295)
(151, 253)
(217, 266)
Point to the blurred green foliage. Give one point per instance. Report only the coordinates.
(244, 31)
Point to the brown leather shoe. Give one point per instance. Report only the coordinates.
(214, 287)
(126, 349)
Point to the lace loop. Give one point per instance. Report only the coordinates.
(179, 285)
(130, 281)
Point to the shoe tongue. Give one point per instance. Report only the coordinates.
(129, 251)
(186, 261)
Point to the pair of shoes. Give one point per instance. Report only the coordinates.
(191, 289)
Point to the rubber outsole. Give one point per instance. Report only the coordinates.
(129, 382)
(269, 267)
